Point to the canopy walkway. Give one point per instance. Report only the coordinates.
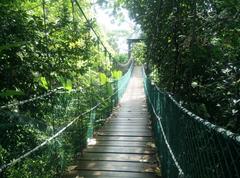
(122, 144)
(124, 147)
(66, 112)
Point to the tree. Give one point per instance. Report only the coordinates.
(194, 42)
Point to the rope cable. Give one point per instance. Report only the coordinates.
(47, 141)
(31, 99)
(89, 23)
(14, 161)
(202, 148)
(56, 90)
(222, 131)
(181, 173)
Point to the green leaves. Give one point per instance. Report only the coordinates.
(4, 47)
(138, 53)
(68, 85)
(43, 82)
(39, 54)
(11, 93)
(192, 49)
(116, 74)
(103, 79)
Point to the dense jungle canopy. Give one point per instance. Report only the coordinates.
(193, 51)
(190, 49)
(54, 52)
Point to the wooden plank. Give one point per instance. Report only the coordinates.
(124, 143)
(124, 147)
(107, 174)
(132, 106)
(88, 156)
(119, 149)
(127, 128)
(132, 115)
(123, 129)
(128, 124)
(130, 121)
(115, 166)
(135, 108)
(132, 112)
(108, 126)
(130, 118)
(135, 134)
(120, 138)
(139, 110)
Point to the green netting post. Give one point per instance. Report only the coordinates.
(91, 122)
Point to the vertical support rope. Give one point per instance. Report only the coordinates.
(45, 26)
(152, 103)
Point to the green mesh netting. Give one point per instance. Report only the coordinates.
(200, 149)
(69, 118)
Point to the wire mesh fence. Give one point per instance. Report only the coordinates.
(46, 134)
(199, 148)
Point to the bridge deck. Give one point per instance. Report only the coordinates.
(124, 147)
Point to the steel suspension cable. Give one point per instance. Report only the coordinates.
(94, 31)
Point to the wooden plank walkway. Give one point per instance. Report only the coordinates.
(124, 147)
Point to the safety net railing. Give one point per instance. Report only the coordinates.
(187, 145)
(35, 149)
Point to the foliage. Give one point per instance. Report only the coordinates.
(138, 53)
(46, 45)
(103, 78)
(116, 75)
(121, 58)
(195, 42)
(115, 36)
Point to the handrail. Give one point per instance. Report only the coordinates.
(31, 99)
(181, 173)
(198, 147)
(220, 130)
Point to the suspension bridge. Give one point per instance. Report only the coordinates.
(124, 128)
(153, 137)
(124, 147)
